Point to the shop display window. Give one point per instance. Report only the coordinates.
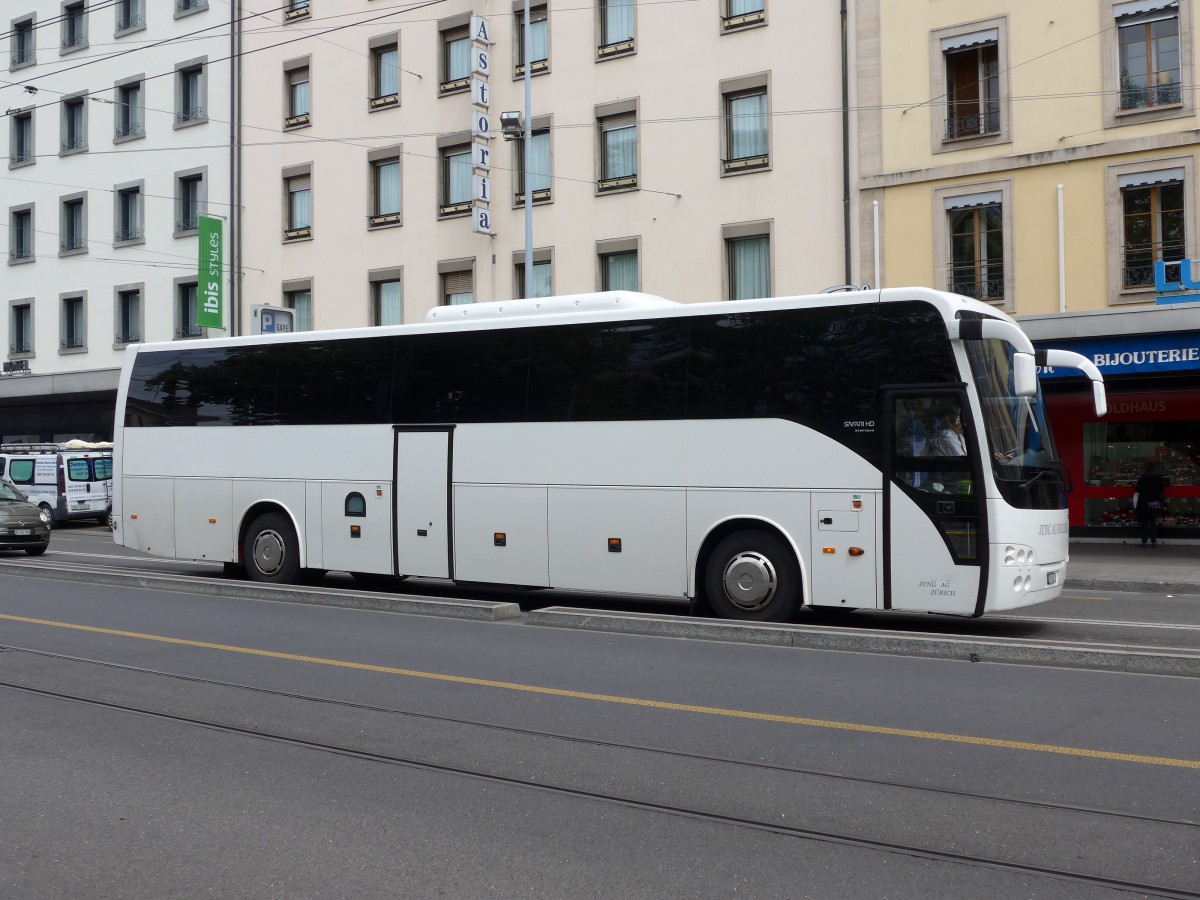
(1115, 453)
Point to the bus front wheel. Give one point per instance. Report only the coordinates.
(752, 575)
(271, 552)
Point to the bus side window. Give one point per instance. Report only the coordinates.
(356, 505)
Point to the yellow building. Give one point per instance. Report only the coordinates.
(982, 122)
(1042, 157)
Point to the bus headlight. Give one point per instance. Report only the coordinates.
(1019, 556)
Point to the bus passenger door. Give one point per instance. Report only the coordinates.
(934, 531)
(422, 477)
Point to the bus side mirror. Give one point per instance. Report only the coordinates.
(1024, 375)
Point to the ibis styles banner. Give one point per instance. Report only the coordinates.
(211, 310)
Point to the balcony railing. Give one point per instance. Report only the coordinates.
(128, 129)
(968, 282)
(973, 124)
(21, 252)
(186, 5)
(129, 234)
(70, 41)
(191, 114)
(1138, 261)
(1139, 97)
(21, 155)
(188, 223)
(189, 331)
(128, 337)
(72, 343)
(20, 346)
(22, 57)
(72, 243)
(74, 143)
(132, 20)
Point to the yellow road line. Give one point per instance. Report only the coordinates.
(632, 701)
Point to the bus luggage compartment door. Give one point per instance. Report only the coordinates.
(845, 566)
(422, 473)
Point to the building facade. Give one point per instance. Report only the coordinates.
(672, 151)
(117, 121)
(1043, 158)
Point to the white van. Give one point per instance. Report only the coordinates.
(70, 481)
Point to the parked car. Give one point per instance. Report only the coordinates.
(23, 525)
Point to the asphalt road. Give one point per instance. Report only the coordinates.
(167, 744)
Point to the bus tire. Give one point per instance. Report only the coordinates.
(271, 552)
(50, 513)
(752, 575)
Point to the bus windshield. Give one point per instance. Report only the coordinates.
(1019, 443)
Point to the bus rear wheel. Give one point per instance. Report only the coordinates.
(271, 552)
(752, 575)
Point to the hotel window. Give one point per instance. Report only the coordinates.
(300, 302)
(747, 261)
(543, 273)
(971, 74)
(190, 201)
(973, 241)
(539, 167)
(385, 72)
(457, 279)
(456, 60)
(618, 264)
(747, 132)
(190, 93)
(74, 125)
(21, 42)
(186, 309)
(297, 190)
(738, 14)
(297, 9)
(387, 296)
(130, 111)
(73, 324)
(74, 27)
(1148, 54)
(539, 41)
(618, 149)
(299, 94)
(456, 172)
(20, 234)
(20, 328)
(20, 143)
(73, 225)
(1153, 226)
(187, 7)
(127, 211)
(130, 16)
(385, 187)
(128, 311)
(616, 28)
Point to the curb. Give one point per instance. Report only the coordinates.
(1132, 587)
(1108, 658)
(478, 610)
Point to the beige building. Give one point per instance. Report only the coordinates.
(673, 151)
(985, 124)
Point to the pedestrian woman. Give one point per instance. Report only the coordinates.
(1148, 501)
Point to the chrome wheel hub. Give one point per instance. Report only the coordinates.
(268, 552)
(750, 581)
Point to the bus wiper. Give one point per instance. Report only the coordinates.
(1041, 473)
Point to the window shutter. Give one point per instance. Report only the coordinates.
(1143, 179)
(458, 282)
(300, 183)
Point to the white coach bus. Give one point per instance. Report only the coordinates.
(865, 449)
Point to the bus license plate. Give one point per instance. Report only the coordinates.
(22, 531)
(1051, 578)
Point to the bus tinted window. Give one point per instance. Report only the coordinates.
(913, 346)
(471, 376)
(603, 372)
(335, 382)
(203, 386)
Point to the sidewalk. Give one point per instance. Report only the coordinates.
(1117, 566)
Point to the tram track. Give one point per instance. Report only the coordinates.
(1185, 833)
